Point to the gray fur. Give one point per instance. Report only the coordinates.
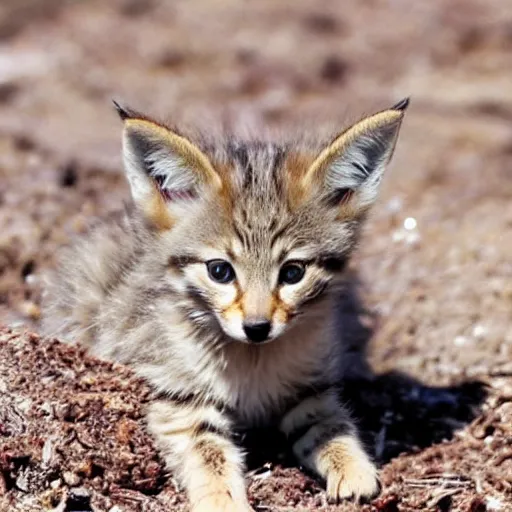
(140, 296)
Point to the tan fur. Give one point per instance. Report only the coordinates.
(157, 213)
(137, 290)
(212, 467)
(297, 165)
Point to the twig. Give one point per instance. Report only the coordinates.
(442, 495)
(443, 480)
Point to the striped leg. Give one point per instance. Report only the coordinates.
(195, 442)
(325, 441)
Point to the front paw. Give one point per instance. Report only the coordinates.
(344, 464)
(350, 476)
(221, 503)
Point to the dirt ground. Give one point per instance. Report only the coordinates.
(432, 301)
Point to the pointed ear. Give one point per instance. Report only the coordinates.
(349, 170)
(164, 169)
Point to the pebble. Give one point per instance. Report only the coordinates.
(395, 205)
(408, 233)
(493, 503)
(410, 223)
(71, 478)
(56, 483)
(460, 341)
(47, 451)
(479, 331)
(30, 309)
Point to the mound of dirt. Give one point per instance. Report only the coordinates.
(72, 438)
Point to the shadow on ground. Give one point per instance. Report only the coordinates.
(396, 413)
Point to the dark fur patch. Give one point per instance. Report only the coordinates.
(207, 427)
(142, 148)
(375, 148)
(332, 262)
(213, 456)
(240, 154)
(199, 312)
(241, 234)
(279, 158)
(339, 197)
(180, 261)
(198, 297)
(312, 390)
(183, 399)
(327, 433)
(303, 394)
(277, 235)
(151, 295)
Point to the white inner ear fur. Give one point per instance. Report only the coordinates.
(177, 176)
(156, 158)
(360, 167)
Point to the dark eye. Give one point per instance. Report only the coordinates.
(291, 273)
(220, 271)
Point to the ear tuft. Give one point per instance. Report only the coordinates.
(124, 112)
(401, 105)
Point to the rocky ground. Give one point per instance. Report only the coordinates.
(434, 274)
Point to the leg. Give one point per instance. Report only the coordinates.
(195, 442)
(325, 441)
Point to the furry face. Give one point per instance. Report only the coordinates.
(267, 227)
(260, 262)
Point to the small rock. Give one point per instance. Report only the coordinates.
(56, 483)
(334, 69)
(28, 268)
(47, 452)
(460, 341)
(47, 408)
(479, 331)
(125, 430)
(71, 479)
(22, 481)
(69, 175)
(493, 503)
(410, 223)
(3, 485)
(24, 404)
(30, 309)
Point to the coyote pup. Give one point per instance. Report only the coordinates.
(219, 286)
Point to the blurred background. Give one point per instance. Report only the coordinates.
(436, 259)
(435, 264)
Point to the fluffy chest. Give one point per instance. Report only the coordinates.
(260, 382)
(257, 382)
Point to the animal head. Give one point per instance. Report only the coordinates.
(252, 232)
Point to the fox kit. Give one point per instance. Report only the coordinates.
(219, 286)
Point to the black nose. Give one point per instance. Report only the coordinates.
(257, 331)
